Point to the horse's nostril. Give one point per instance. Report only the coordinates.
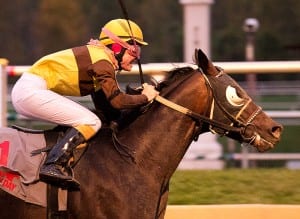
(276, 131)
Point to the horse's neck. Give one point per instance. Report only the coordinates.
(162, 135)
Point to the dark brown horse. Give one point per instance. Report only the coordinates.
(128, 176)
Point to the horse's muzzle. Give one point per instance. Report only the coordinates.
(262, 141)
(267, 143)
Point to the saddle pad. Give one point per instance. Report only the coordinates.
(18, 169)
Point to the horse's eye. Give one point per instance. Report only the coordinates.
(233, 98)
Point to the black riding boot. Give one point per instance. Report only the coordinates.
(56, 169)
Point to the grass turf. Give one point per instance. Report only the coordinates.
(235, 186)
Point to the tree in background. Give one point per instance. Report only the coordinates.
(52, 25)
(58, 25)
(162, 24)
(32, 28)
(279, 25)
(15, 36)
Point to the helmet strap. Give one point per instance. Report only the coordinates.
(118, 52)
(119, 57)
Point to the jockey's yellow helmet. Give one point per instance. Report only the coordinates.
(120, 28)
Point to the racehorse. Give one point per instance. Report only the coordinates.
(127, 176)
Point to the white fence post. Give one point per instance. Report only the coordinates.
(3, 92)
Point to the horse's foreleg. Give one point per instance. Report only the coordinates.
(163, 202)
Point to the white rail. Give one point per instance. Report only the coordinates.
(268, 156)
(3, 92)
(158, 69)
(269, 67)
(290, 114)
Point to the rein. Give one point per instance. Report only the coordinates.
(196, 116)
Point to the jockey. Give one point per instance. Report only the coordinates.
(40, 92)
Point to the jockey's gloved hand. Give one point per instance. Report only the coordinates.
(149, 91)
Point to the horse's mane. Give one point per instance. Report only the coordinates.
(173, 76)
(128, 116)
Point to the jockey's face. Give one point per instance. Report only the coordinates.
(127, 61)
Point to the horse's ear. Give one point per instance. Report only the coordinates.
(201, 59)
(204, 63)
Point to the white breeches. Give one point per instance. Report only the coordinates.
(31, 98)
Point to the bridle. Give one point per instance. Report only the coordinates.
(236, 120)
(236, 126)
